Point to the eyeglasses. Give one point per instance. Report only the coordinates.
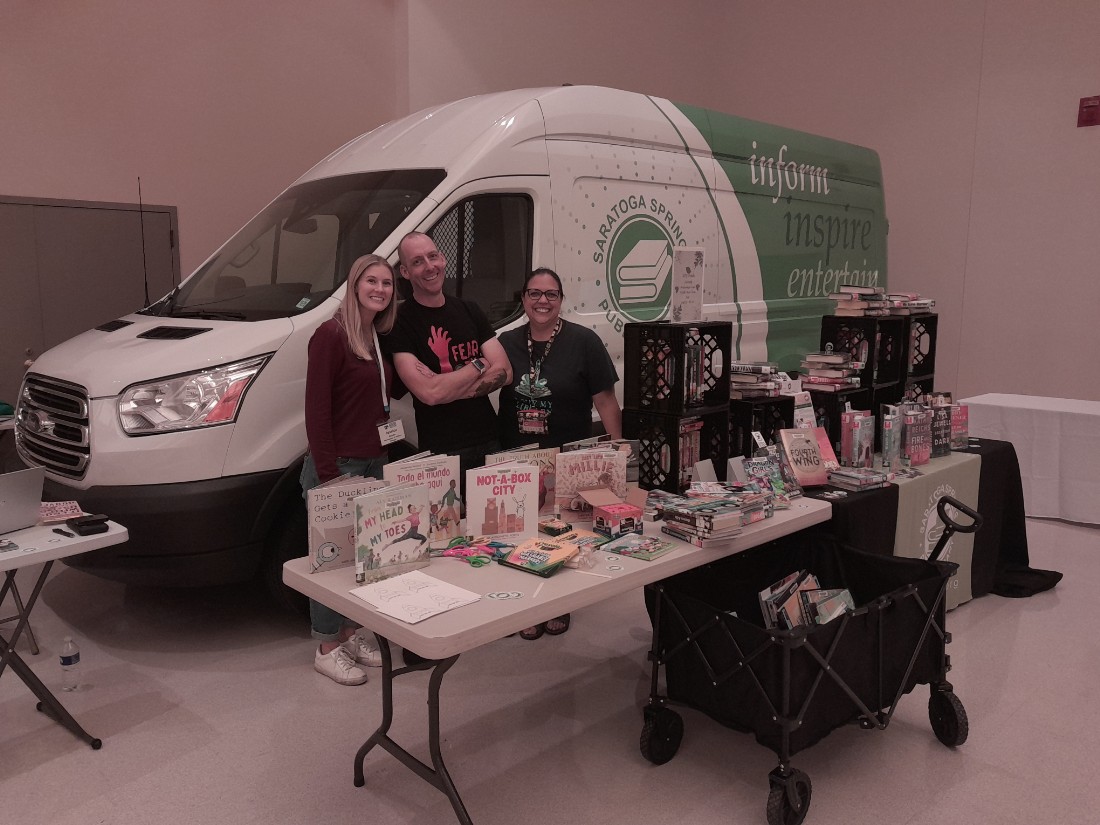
(549, 294)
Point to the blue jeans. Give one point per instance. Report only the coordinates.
(325, 623)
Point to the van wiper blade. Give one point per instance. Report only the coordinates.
(208, 313)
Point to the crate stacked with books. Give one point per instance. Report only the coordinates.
(676, 396)
(756, 405)
(880, 343)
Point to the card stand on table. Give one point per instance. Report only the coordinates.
(881, 343)
(829, 405)
(766, 416)
(922, 344)
(670, 445)
(677, 368)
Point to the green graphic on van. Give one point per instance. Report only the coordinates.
(639, 263)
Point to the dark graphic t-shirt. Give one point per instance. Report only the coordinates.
(445, 339)
(577, 368)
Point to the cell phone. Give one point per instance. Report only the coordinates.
(88, 525)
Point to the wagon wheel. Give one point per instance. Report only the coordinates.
(789, 798)
(661, 734)
(948, 718)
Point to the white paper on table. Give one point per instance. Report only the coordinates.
(413, 597)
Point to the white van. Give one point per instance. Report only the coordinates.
(184, 421)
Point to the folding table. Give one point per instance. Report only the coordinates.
(43, 545)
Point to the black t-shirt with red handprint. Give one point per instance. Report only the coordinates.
(445, 339)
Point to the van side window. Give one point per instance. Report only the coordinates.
(487, 242)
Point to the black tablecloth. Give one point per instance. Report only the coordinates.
(868, 521)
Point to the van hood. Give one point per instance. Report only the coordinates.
(138, 348)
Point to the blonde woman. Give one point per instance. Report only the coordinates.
(347, 397)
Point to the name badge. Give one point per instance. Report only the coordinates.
(391, 431)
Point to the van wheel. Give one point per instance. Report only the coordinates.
(287, 540)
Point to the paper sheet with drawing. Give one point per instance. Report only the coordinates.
(414, 596)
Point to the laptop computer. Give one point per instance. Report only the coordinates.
(20, 497)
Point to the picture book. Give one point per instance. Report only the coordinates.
(587, 469)
(637, 546)
(439, 475)
(502, 501)
(330, 511)
(541, 555)
(390, 532)
(804, 457)
(545, 459)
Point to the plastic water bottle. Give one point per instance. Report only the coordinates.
(70, 664)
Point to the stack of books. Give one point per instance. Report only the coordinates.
(856, 479)
(799, 599)
(830, 371)
(908, 303)
(860, 301)
(754, 379)
(711, 520)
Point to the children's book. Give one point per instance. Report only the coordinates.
(391, 532)
(636, 546)
(541, 555)
(502, 501)
(439, 475)
(546, 459)
(330, 510)
(587, 469)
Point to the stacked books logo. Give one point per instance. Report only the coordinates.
(638, 269)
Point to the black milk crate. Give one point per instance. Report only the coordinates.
(829, 405)
(766, 416)
(677, 368)
(669, 445)
(881, 342)
(919, 390)
(922, 344)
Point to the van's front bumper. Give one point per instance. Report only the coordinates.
(187, 534)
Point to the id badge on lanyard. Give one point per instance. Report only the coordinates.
(533, 422)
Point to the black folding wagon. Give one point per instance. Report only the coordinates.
(790, 688)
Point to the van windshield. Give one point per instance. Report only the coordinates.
(295, 253)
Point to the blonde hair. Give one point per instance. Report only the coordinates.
(348, 317)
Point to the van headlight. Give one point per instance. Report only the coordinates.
(184, 402)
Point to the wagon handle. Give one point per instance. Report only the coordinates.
(955, 527)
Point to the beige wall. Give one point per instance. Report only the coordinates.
(216, 106)
(993, 194)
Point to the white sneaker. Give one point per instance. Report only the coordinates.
(363, 650)
(339, 666)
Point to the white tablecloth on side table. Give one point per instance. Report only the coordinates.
(1057, 441)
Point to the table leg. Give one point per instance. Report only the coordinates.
(436, 775)
(47, 702)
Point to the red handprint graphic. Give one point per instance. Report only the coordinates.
(439, 342)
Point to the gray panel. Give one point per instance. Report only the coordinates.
(90, 265)
(20, 310)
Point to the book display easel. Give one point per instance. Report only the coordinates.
(676, 403)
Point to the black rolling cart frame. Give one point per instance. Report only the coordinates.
(792, 687)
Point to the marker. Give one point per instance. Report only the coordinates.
(61, 532)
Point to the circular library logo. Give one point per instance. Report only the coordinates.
(639, 265)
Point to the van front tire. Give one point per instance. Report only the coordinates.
(287, 540)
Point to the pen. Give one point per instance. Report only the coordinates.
(61, 532)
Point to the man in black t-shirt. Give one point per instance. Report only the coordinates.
(446, 353)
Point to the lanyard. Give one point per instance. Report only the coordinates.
(381, 371)
(545, 351)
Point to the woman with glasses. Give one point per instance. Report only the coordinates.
(560, 371)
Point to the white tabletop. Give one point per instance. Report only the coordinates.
(466, 628)
(1034, 402)
(41, 544)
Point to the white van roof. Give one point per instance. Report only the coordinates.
(506, 128)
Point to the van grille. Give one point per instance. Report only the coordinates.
(51, 425)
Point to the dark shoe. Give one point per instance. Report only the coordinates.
(412, 659)
(555, 627)
(532, 633)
